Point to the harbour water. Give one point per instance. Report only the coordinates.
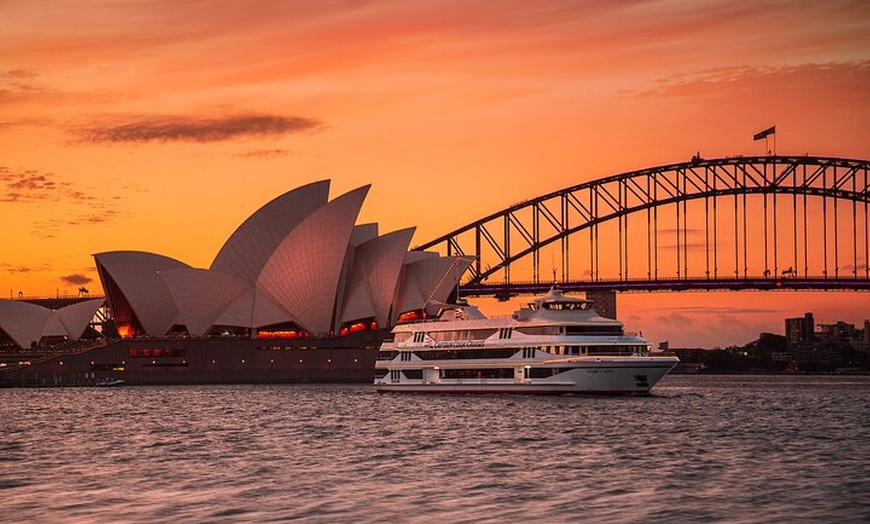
(701, 449)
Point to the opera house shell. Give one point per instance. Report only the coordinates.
(299, 273)
(298, 267)
(26, 324)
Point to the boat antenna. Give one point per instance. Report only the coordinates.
(553, 263)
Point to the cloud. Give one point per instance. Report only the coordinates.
(15, 269)
(675, 319)
(76, 279)
(202, 130)
(848, 79)
(28, 185)
(33, 186)
(10, 268)
(722, 310)
(265, 153)
(99, 214)
(104, 215)
(20, 74)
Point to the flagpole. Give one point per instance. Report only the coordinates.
(766, 136)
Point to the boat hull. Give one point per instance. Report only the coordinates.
(635, 376)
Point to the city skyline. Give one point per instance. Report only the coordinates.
(160, 126)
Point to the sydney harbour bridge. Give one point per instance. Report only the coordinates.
(733, 223)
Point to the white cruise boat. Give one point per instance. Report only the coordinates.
(556, 345)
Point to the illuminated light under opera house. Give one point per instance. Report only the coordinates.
(298, 293)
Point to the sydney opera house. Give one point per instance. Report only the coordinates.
(298, 293)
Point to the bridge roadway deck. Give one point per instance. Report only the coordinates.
(502, 290)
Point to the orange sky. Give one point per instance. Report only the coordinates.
(160, 126)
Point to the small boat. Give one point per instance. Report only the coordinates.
(555, 345)
(109, 382)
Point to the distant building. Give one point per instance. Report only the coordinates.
(605, 302)
(800, 331)
(839, 330)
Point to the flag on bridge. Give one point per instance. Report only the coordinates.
(664, 346)
(764, 134)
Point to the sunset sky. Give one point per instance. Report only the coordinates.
(161, 125)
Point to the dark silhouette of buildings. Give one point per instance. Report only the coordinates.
(805, 348)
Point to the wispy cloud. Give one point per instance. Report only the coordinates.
(850, 79)
(28, 185)
(31, 186)
(76, 279)
(20, 74)
(265, 153)
(722, 310)
(98, 214)
(675, 320)
(202, 130)
(15, 269)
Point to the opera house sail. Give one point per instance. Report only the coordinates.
(299, 292)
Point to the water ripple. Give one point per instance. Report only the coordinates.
(702, 449)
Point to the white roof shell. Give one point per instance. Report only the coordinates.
(76, 317)
(136, 274)
(298, 259)
(303, 273)
(201, 295)
(248, 249)
(428, 279)
(23, 321)
(375, 276)
(363, 233)
(254, 309)
(27, 323)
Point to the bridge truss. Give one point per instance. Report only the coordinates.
(794, 222)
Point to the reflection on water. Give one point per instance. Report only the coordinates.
(731, 449)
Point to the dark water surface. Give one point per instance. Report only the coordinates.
(702, 449)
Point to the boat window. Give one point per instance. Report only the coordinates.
(387, 355)
(541, 372)
(464, 334)
(610, 350)
(539, 330)
(479, 373)
(468, 354)
(594, 330)
(566, 306)
(546, 372)
(413, 373)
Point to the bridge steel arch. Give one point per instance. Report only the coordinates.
(753, 193)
